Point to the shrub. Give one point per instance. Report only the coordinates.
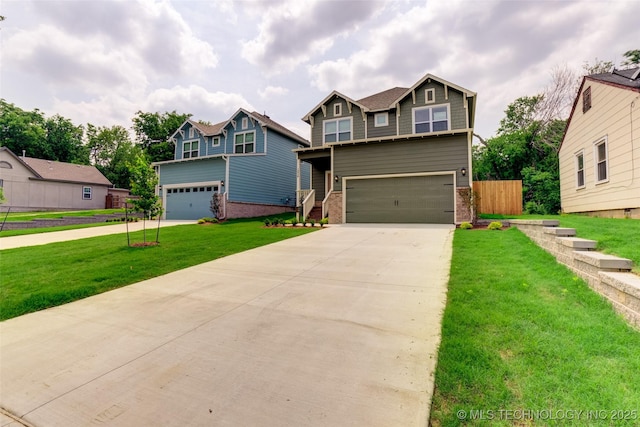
(466, 225)
(324, 221)
(267, 222)
(312, 221)
(534, 208)
(495, 225)
(201, 221)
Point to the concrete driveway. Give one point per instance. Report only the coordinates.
(334, 328)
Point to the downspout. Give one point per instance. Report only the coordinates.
(226, 182)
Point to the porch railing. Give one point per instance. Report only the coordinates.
(325, 203)
(306, 199)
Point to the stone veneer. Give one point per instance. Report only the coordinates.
(608, 275)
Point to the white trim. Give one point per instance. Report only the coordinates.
(431, 91)
(324, 133)
(399, 175)
(214, 138)
(190, 141)
(575, 158)
(598, 142)
(385, 122)
(430, 107)
(244, 143)
(337, 109)
(245, 123)
(84, 187)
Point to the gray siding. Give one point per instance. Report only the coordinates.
(456, 101)
(377, 132)
(426, 155)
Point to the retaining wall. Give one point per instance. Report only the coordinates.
(608, 275)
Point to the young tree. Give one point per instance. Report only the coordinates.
(153, 131)
(143, 185)
(2, 198)
(214, 205)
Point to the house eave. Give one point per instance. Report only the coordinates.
(402, 137)
(191, 159)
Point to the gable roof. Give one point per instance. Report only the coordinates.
(51, 170)
(629, 78)
(388, 98)
(216, 129)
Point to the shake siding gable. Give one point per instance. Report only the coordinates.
(265, 179)
(444, 154)
(455, 99)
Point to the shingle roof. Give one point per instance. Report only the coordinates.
(279, 128)
(628, 78)
(384, 99)
(208, 130)
(69, 172)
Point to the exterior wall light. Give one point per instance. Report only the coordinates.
(463, 171)
(336, 178)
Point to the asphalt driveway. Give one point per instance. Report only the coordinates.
(334, 328)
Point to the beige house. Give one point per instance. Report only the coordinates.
(600, 152)
(35, 184)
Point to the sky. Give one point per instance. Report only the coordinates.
(101, 61)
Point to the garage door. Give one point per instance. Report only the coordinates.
(411, 199)
(189, 202)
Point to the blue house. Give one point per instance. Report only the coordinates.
(248, 160)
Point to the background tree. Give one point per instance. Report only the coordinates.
(633, 58)
(22, 130)
(143, 185)
(110, 150)
(63, 141)
(153, 131)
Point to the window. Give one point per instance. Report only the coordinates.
(245, 122)
(429, 96)
(86, 193)
(431, 119)
(215, 141)
(192, 131)
(190, 149)
(245, 143)
(1, 183)
(586, 100)
(580, 170)
(381, 119)
(602, 167)
(337, 130)
(337, 109)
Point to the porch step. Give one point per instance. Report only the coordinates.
(560, 231)
(316, 213)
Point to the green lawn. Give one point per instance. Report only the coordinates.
(28, 216)
(34, 278)
(522, 333)
(25, 231)
(615, 236)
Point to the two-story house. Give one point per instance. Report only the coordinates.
(399, 156)
(248, 160)
(600, 152)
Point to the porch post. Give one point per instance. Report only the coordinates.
(297, 188)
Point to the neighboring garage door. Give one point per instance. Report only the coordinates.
(189, 202)
(409, 199)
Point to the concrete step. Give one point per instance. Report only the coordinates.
(560, 231)
(603, 261)
(544, 222)
(578, 244)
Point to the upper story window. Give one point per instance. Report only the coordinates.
(337, 130)
(190, 149)
(586, 100)
(580, 170)
(245, 143)
(192, 132)
(215, 141)
(381, 119)
(429, 96)
(431, 119)
(602, 162)
(245, 123)
(337, 109)
(86, 193)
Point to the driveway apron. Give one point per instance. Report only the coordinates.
(339, 327)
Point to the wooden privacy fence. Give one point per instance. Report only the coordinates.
(499, 197)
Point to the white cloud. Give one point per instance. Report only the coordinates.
(272, 91)
(294, 31)
(196, 100)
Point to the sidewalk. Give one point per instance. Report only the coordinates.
(80, 233)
